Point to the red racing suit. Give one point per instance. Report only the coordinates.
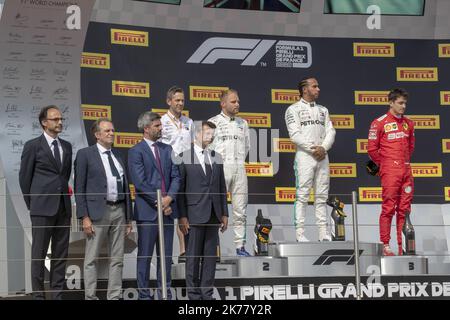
(391, 144)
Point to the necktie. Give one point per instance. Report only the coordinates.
(312, 104)
(56, 154)
(115, 173)
(158, 162)
(208, 169)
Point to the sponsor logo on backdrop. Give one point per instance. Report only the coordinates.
(361, 145)
(287, 194)
(417, 74)
(288, 54)
(426, 170)
(257, 120)
(370, 194)
(343, 121)
(343, 170)
(445, 98)
(283, 145)
(229, 197)
(202, 93)
(446, 145)
(94, 112)
(131, 89)
(132, 192)
(371, 98)
(126, 139)
(129, 37)
(287, 96)
(361, 49)
(444, 50)
(425, 121)
(447, 193)
(162, 112)
(95, 60)
(259, 169)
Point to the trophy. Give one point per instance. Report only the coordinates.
(262, 231)
(337, 219)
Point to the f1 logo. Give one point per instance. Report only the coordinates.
(249, 50)
(296, 54)
(338, 255)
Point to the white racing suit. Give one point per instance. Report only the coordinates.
(232, 141)
(177, 133)
(309, 125)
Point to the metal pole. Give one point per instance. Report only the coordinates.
(162, 247)
(356, 245)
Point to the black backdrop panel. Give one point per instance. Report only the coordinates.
(163, 63)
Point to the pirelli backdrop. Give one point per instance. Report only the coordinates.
(127, 70)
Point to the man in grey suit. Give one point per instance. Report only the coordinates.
(44, 175)
(104, 204)
(203, 210)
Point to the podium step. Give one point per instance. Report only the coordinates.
(333, 258)
(259, 267)
(404, 265)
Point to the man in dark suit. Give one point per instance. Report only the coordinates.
(202, 203)
(103, 202)
(151, 168)
(44, 175)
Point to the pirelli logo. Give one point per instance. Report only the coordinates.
(283, 145)
(445, 98)
(132, 192)
(129, 37)
(284, 194)
(383, 50)
(259, 169)
(343, 121)
(417, 74)
(447, 193)
(286, 96)
(162, 112)
(287, 194)
(131, 89)
(257, 120)
(425, 121)
(446, 145)
(362, 145)
(201, 93)
(371, 98)
(94, 112)
(370, 194)
(95, 60)
(444, 50)
(126, 139)
(426, 170)
(343, 170)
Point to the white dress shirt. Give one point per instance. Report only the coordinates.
(111, 180)
(151, 145)
(201, 156)
(50, 144)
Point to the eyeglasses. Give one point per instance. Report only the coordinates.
(57, 119)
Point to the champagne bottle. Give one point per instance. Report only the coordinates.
(409, 238)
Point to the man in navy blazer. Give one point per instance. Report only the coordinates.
(202, 202)
(44, 176)
(151, 168)
(103, 203)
